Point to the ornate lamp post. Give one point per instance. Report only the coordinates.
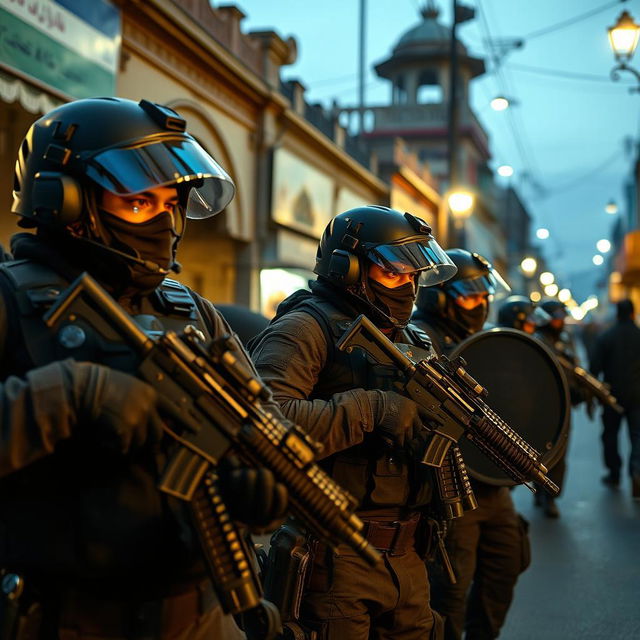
(623, 38)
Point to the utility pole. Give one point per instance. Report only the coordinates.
(361, 71)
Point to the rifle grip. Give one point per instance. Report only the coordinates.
(225, 550)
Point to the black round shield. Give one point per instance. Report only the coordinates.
(526, 388)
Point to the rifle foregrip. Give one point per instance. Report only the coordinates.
(224, 549)
(505, 448)
(316, 499)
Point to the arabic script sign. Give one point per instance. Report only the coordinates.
(70, 45)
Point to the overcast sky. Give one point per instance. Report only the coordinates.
(565, 138)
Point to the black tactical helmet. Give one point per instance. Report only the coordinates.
(517, 311)
(475, 275)
(554, 308)
(396, 241)
(119, 145)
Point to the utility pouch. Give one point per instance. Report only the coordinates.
(287, 570)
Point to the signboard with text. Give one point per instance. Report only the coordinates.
(69, 45)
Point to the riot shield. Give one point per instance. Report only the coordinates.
(527, 388)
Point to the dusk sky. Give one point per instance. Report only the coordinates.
(568, 138)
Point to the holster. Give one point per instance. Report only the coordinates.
(287, 570)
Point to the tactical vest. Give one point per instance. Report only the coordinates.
(84, 513)
(377, 478)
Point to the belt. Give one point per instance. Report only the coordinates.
(85, 616)
(395, 538)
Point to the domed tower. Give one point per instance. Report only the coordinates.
(418, 70)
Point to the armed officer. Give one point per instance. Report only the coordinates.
(521, 313)
(370, 261)
(488, 546)
(89, 548)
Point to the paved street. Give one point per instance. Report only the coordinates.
(584, 581)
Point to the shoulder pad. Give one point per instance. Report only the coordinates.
(419, 336)
(175, 298)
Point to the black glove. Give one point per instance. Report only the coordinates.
(117, 410)
(252, 496)
(402, 421)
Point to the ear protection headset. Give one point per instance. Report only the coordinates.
(344, 265)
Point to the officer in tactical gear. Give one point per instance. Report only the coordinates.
(370, 260)
(88, 546)
(489, 546)
(519, 312)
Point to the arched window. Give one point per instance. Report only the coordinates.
(429, 90)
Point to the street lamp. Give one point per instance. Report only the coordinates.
(597, 259)
(551, 289)
(461, 204)
(603, 245)
(505, 170)
(546, 278)
(611, 207)
(623, 38)
(529, 266)
(542, 233)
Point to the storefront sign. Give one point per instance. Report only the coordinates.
(70, 45)
(302, 195)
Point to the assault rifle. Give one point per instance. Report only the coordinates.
(593, 387)
(213, 402)
(453, 400)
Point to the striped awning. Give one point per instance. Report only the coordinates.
(36, 101)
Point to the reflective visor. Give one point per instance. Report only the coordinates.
(424, 255)
(539, 317)
(171, 160)
(492, 283)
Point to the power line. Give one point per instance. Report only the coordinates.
(570, 21)
(571, 75)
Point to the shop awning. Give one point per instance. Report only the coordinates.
(33, 100)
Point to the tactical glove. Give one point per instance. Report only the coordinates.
(117, 410)
(402, 421)
(252, 496)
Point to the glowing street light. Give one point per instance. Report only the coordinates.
(546, 277)
(564, 295)
(505, 170)
(603, 245)
(551, 289)
(500, 103)
(461, 203)
(611, 207)
(529, 266)
(597, 259)
(535, 296)
(542, 233)
(623, 38)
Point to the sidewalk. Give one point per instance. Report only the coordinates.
(584, 580)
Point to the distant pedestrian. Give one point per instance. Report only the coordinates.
(617, 356)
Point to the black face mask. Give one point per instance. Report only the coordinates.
(471, 320)
(152, 241)
(396, 303)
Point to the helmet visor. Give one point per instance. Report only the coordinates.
(539, 317)
(491, 283)
(424, 256)
(172, 160)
